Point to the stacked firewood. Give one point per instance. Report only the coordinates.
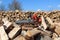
(15, 15)
(49, 29)
(18, 15)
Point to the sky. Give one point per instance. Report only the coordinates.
(34, 5)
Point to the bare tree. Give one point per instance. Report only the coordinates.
(15, 5)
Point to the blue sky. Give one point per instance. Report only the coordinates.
(35, 4)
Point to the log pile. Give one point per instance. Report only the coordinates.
(49, 29)
(15, 15)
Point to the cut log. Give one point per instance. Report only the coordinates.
(57, 38)
(47, 38)
(19, 38)
(3, 34)
(15, 25)
(57, 30)
(7, 24)
(27, 28)
(57, 24)
(55, 35)
(33, 32)
(49, 20)
(15, 32)
(43, 23)
(4, 20)
(23, 33)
